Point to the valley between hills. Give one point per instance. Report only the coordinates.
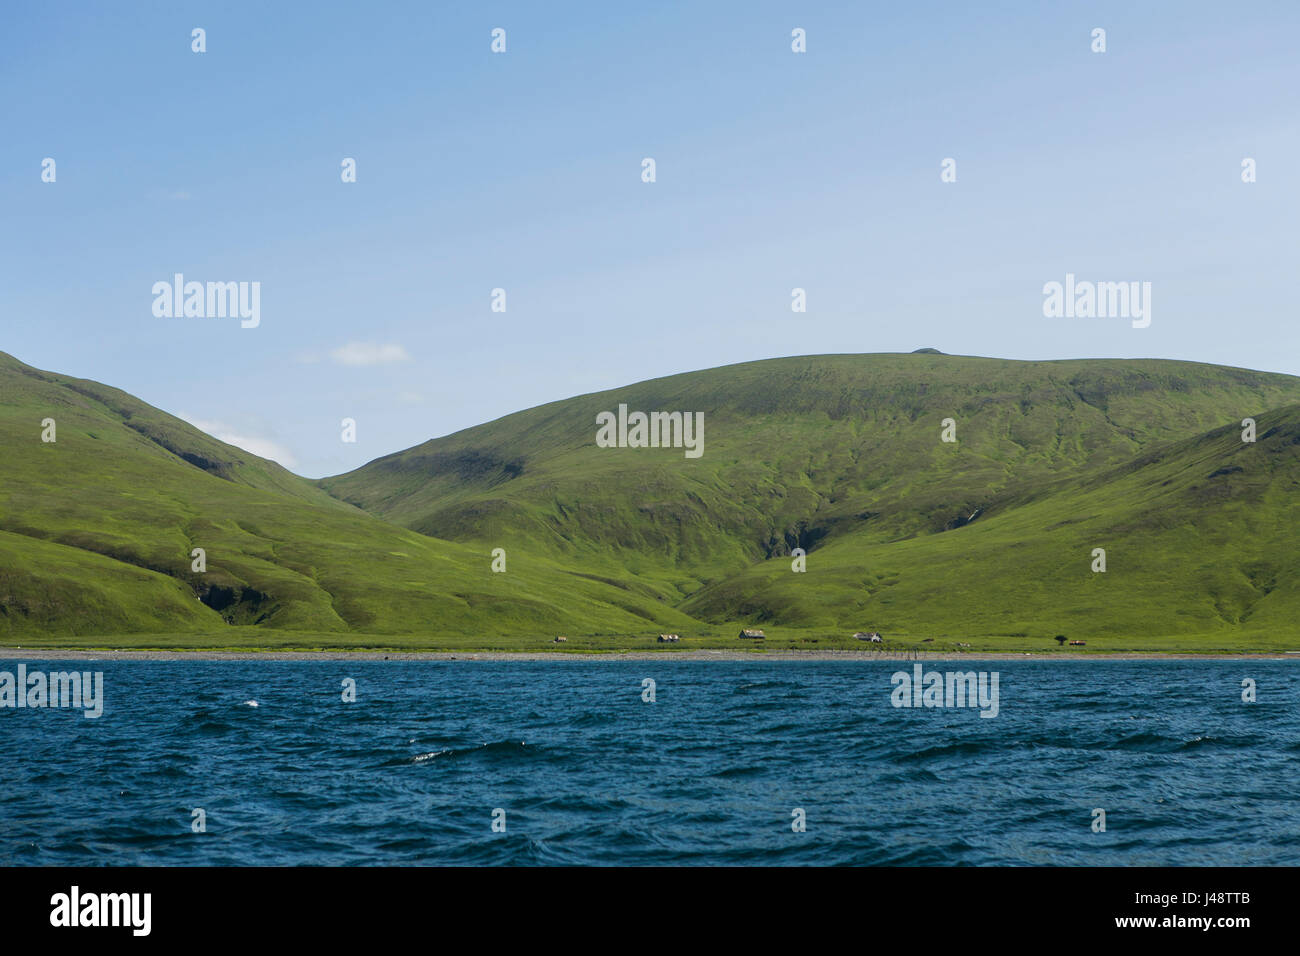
(982, 544)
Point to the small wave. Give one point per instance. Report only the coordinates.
(214, 727)
(920, 775)
(499, 747)
(592, 718)
(1207, 740)
(209, 721)
(784, 727)
(1144, 741)
(760, 685)
(960, 748)
(739, 772)
(421, 758)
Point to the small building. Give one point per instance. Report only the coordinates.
(871, 636)
(1078, 643)
(560, 640)
(669, 638)
(753, 634)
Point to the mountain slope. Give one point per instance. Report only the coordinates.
(97, 529)
(1198, 539)
(799, 452)
(155, 433)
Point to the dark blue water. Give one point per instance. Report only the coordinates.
(710, 773)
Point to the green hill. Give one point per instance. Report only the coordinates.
(986, 541)
(1197, 536)
(97, 530)
(841, 455)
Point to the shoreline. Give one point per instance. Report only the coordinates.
(56, 654)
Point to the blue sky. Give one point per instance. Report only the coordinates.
(522, 171)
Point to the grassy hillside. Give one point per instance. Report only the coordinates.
(839, 455)
(1198, 540)
(143, 429)
(97, 529)
(984, 542)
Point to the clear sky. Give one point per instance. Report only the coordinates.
(522, 171)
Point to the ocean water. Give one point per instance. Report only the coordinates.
(711, 772)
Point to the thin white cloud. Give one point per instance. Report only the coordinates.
(369, 353)
(262, 447)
